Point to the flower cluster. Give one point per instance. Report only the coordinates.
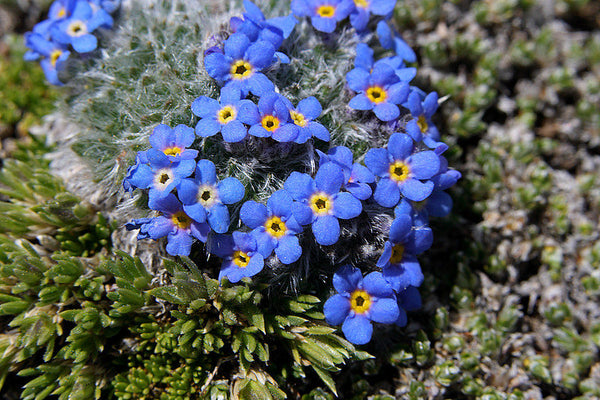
(70, 25)
(403, 181)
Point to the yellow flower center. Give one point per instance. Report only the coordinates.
(163, 178)
(61, 13)
(360, 301)
(54, 56)
(173, 151)
(377, 94)
(181, 220)
(270, 123)
(275, 227)
(361, 3)
(399, 171)
(241, 69)
(326, 11)
(241, 259)
(423, 125)
(226, 115)
(298, 119)
(397, 254)
(207, 196)
(77, 28)
(320, 203)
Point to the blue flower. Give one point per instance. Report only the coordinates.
(110, 6)
(303, 116)
(422, 113)
(240, 256)
(160, 175)
(398, 260)
(364, 59)
(53, 55)
(205, 198)
(359, 17)
(380, 91)
(275, 121)
(241, 63)
(173, 142)
(360, 301)
(391, 40)
(173, 223)
(401, 171)
(255, 26)
(356, 177)
(409, 299)
(76, 30)
(325, 14)
(438, 204)
(141, 158)
(61, 9)
(274, 226)
(228, 115)
(319, 202)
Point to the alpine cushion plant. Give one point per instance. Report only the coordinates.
(320, 203)
(358, 302)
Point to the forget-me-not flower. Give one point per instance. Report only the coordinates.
(274, 226)
(53, 55)
(304, 117)
(359, 17)
(241, 258)
(380, 90)
(205, 198)
(360, 301)
(356, 176)
(173, 142)
(174, 223)
(274, 119)
(422, 111)
(402, 171)
(77, 29)
(160, 175)
(409, 299)
(398, 260)
(392, 40)
(319, 202)
(228, 115)
(240, 64)
(324, 14)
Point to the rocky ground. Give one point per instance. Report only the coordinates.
(512, 289)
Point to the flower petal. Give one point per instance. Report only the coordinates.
(231, 190)
(288, 250)
(416, 190)
(424, 165)
(218, 218)
(357, 329)
(299, 186)
(346, 206)
(384, 311)
(329, 178)
(387, 193)
(326, 230)
(336, 309)
(253, 214)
